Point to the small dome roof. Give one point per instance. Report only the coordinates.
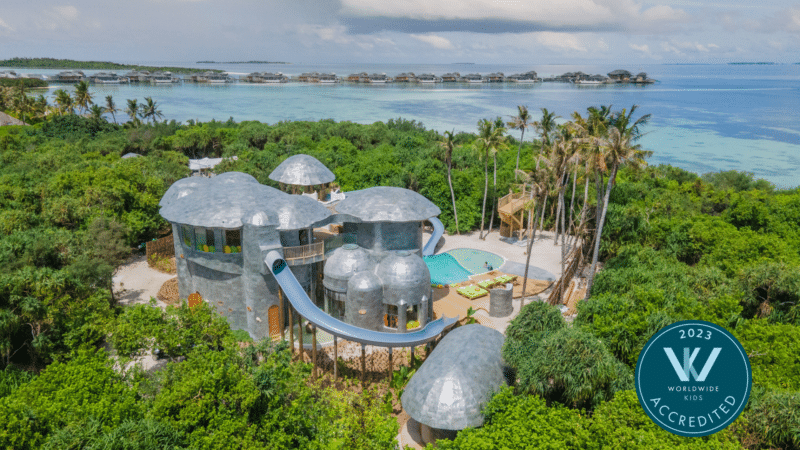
(404, 271)
(302, 170)
(224, 201)
(343, 263)
(387, 204)
(300, 212)
(365, 281)
(457, 379)
(182, 188)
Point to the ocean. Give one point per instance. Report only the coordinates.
(705, 118)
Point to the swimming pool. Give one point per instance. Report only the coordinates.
(454, 266)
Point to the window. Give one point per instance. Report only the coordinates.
(233, 241)
(205, 239)
(187, 234)
(335, 303)
(390, 318)
(412, 317)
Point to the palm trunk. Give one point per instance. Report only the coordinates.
(519, 150)
(494, 197)
(485, 193)
(528, 258)
(452, 194)
(541, 216)
(572, 201)
(599, 233)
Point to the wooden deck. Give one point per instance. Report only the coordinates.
(448, 302)
(512, 207)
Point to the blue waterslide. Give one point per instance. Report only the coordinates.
(438, 229)
(306, 308)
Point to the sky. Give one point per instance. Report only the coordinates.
(404, 31)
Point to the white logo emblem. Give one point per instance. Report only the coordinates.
(688, 363)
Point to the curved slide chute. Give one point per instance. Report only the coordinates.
(438, 230)
(306, 308)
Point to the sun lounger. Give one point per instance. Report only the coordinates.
(487, 284)
(472, 292)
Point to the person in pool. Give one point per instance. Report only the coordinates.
(487, 266)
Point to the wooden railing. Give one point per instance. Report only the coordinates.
(163, 247)
(304, 252)
(511, 197)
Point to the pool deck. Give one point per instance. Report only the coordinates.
(545, 266)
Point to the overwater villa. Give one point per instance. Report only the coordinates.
(362, 77)
(473, 78)
(68, 76)
(106, 78)
(620, 76)
(266, 77)
(8, 74)
(137, 76)
(453, 77)
(527, 77)
(211, 77)
(592, 79)
(163, 78)
(428, 78)
(379, 78)
(497, 77)
(327, 78)
(405, 77)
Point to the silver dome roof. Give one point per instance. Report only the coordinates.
(404, 270)
(343, 263)
(224, 200)
(300, 212)
(303, 170)
(365, 281)
(387, 204)
(457, 379)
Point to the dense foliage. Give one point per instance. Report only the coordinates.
(28, 82)
(52, 63)
(722, 247)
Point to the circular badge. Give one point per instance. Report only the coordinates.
(693, 378)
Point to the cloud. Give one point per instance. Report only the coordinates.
(644, 49)
(66, 12)
(560, 41)
(508, 16)
(5, 26)
(435, 41)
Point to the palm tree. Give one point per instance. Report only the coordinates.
(537, 181)
(63, 101)
(83, 98)
(111, 107)
(498, 131)
(133, 110)
(21, 102)
(150, 110)
(520, 122)
(97, 112)
(489, 138)
(447, 145)
(619, 149)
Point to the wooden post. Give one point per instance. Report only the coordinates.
(390, 365)
(291, 329)
(280, 322)
(314, 350)
(363, 363)
(411, 361)
(335, 357)
(300, 338)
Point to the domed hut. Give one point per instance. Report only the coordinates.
(303, 173)
(223, 227)
(455, 382)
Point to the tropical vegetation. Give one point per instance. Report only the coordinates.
(53, 63)
(674, 245)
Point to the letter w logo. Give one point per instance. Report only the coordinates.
(688, 361)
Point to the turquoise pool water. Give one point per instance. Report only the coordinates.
(457, 265)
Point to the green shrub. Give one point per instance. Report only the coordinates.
(774, 351)
(773, 419)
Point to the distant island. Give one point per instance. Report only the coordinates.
(764, 63)
(52, 63)
(242, 62)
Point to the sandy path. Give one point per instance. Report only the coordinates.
(135, 282)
